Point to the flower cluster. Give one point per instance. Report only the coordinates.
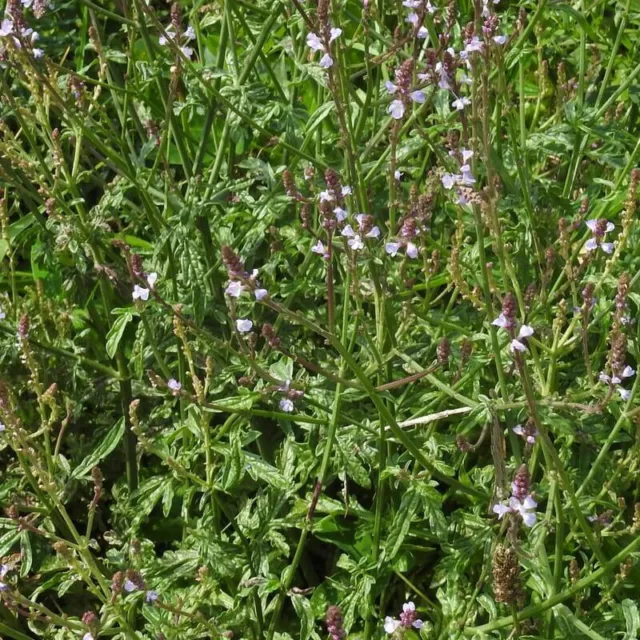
(181, 40)
(408, 619)
(521, 501)
(14, 26)
(142, 293)
(402, 88)
(315, 43)
(599, 227)
(616, 380)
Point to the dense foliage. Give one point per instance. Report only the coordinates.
(318, 319)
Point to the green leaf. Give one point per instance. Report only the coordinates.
(631, 618)
(116, 332)
(107, 445)
(305, 613)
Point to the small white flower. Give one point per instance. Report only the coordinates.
(326, 196)
(174, 385)
(411, 4)
(88, 636)
(607, 247)
(391, 625)
(412, 250)
(423, 33)
(392, 248)
(593, 225)
(467, 176)
(461, 103)
(467, 154)
(390, 87)
(190, 33)
(397, 174)
(140, 293)
(526, 509)
(314, 43)
(3, 315)
(516, 345)
(187, 52)
(501, 321)
(591, 244)
(625, 394)
(347, 190)
(499, 39)
(243, 325)
(37, 53)
(525, 331)
(603, 377)
(260, 294)
(336, 32)
(286, 405)
(500, 510)
(396, 109)
(326, 61)
(234, 289)
(418, 96)
(318, 248)
(356, 242)
(475, 44)
(162, 41)
(348, 232)
(3, 427)
(627, 372)
(150, 596)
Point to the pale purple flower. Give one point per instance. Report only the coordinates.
(467, 154)
(390, 87)
(187, 52)
(340, 213)
(593, 226)
(234, 289)
(260, 294)
(392, 248)
(318, 248)
(475, 44)
(244, 325)
(190, 33)
(449, 180)
(412, 250)
(314, 42)
(412, 18)
(373, 233)
(3, 315)
(326, 61)
(396, 109)
(529, 435)
(461, 103)
(599, 230)
(151, 596)
(336, 32)
(408, 619)
(418, 96)
(130, 586)
(327, 196)
(4, 569)
(502, 322)
(88, 636)
(6, 27)
(347, 190)
(430, 8)
(628, 372)
(411, 4)
(140, 293)
(517, 344)
(397, 174)
(286, 405)
(174, 385)
(444, 82)
(499, 39)
(3, 427)
(37, 53)
(525, 509)
(152, 278)
(423, 33)
(467, 176)
(348, 231)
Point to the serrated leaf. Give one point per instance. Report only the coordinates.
(116, 332)
(305, 614)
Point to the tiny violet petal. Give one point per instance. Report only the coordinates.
(174, 385)
(129, 586)
(336, 32)
(423, 33)
(528, 518)
(417, 624)
(449, 180)
(592, 224)
(500, 510)
(516, 345)
(286, 405)
(591, 244)
(390, 87)
(418, 96)
(607, 247)
(340, 213)
(243, 325)
(412, 18)
(374, 233)
(628, 371)
(398, 174)
(260, 294)
(151, 596)
(234, 289)
(347, 190)
(313, 42)
(392, 248)
(140, 293)
(326, 61)
(499, 39)
(356, 243)
(348, 232)
(461, 103)
(603, 377)
(412, 250)
(500, 321)
(610, 226)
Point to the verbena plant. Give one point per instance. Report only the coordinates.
(312, 309)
